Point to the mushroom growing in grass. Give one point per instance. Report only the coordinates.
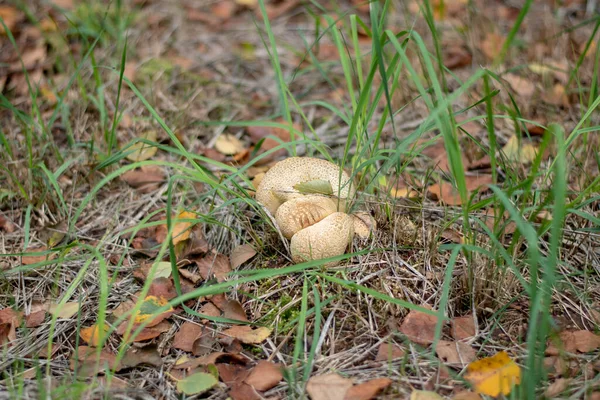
(308, 198)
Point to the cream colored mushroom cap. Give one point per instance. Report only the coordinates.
(302, 212)
(327, 238)
(277, 185)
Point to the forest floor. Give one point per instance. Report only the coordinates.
(134, 261)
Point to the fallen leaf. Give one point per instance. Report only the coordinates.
(122, 308)
(9, 321)
(557, 387)
(389, 352)
(463, 327)
(197, 383)
(466, 395)
(141, 151)
(494, 375)
(36, 258)
(247, 335)
(419, 327)
(186, 336)
(264, 376)
(228, 144)
(455, 352)
(223, 9)
(90, 361)
(586, 341)
(424, 395)
(145, 179)
(446, 193)
(506, 225)
(234, 310)
(35, 318)
(213, 358)
(210, 310)
(217, 265)
(243, 391)
(240, 255)
(11, 16)
(232, 374)
(181, 230)
(522, 86)
(556, 96)
(147, 355)
(457, 56)
(147, 312)
(93, 335)
(328, 387)
(492, 45)
(367, 390)
(151, 332)
(5, 224)
(64, 311)
(162, 288)
(521, 151)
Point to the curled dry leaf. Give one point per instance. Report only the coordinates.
(367, 390)
(246, 334)
(419, 327)
(494, 375)
(264, 376)
(241, 254)
(328, 387)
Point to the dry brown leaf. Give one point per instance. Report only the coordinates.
(210, 310)
(557, 387)
(264, 376)
(11, 17)
(328, 387)
(145, 179)
(187, 334)
(556, 96)
(522, 86)
(217, 265)
(367, 390)
(455, 352)
(5, 224)
(389, 352)
(234, 310)
(35, 318)
(466, 395)
(240, 255)
(419, 327)
(586, 341)
(456, 56)
(243, 391)
(463, 327)
(85, 357)
(36, 258)
(247, 335)
(9, 321)
(213, 358)
(149, 332)
(228, 144)
(446, 193)
(492, 45)
(223, 9)
(232, 374)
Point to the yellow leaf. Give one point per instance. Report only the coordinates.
(92, 334)
(181, 230)
(424, 395)
(142, 151)
(64, 311)
(228, 144)
(494, 375)
(523, 152)
(148, 309)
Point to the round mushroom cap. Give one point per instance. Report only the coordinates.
(302, 212)
(327, 238)
(277, 186)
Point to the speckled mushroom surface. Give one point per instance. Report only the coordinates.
(317, 225)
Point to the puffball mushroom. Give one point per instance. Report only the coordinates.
(317, 225)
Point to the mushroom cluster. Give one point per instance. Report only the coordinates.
(317, 224)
